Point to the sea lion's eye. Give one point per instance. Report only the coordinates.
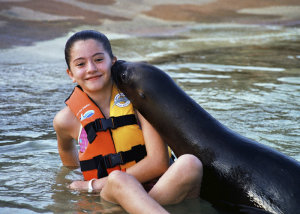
(123, 77)
(142, 95)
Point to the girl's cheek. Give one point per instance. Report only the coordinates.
(80, 72)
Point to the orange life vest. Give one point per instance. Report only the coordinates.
(115, 143)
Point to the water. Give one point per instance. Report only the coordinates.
(245, 76)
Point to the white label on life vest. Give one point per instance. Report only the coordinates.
(87, 115)
(121, 101)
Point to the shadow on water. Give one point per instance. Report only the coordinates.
(250, 86)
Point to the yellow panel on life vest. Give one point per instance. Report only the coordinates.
(127, 136)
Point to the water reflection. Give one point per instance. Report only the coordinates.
(247, 82)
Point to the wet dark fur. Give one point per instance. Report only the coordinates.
(238, 172)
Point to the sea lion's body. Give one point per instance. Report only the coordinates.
(237, 170)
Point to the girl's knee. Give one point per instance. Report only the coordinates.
(117, 178)
(190, 167)
(114, 185)
(190, 163)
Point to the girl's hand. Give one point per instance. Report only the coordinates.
(79, 185)
(97, 185)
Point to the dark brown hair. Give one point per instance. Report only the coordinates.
(85, 35)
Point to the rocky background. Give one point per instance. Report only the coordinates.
(23, 22)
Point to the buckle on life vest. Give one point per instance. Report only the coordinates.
(112, 160)
(102, 163)
(106, 124)
(98, 163)
(102, 124)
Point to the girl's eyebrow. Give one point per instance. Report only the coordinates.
(101, 53)
(98, 53)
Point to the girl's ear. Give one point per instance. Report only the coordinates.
(69, 72)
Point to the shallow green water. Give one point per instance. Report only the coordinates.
(247, 77)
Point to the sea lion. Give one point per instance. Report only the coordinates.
(238, 172)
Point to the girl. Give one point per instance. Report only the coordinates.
(121, 155)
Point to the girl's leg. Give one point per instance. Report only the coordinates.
(182, 180)
(125, 190)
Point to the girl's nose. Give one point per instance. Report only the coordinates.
(91, 67)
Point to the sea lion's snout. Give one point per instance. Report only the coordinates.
(118, 71)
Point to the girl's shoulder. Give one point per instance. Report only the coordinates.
(65, 121)
(63, 117)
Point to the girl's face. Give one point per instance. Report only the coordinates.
(90, 65)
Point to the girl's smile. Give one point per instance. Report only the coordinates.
(93, 78)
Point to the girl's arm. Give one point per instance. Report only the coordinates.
(65, 127)
(157, 160)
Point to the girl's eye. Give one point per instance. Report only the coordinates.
(99, 60)
(80, 64)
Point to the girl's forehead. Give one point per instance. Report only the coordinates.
(83, 44)
(86, 47)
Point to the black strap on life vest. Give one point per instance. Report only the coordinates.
(103, 124)
(102, 163)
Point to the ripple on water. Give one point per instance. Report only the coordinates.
(290, 80)
(217, 67)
